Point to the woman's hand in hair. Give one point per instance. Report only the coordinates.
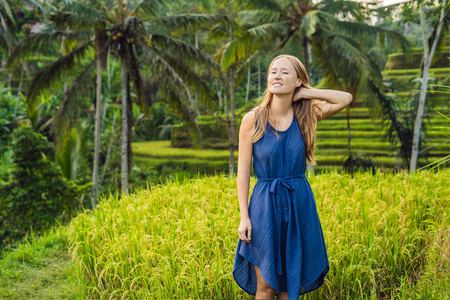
(334, 100)
(301, 94)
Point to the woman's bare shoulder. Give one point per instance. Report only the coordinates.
(248, 118)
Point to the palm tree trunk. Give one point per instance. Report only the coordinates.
(130, 127)
(349, 137)
(18, 92)
(259, 78)
(427, 59)
(98, 109)
(305, 52)
(108, 151)
(225, 104)
(231, 83)
(232, 123)
(124, 117)
(248, 85)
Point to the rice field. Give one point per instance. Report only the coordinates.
(387, 237)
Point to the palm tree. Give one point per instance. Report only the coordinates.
(427, 60)
(234, 67)
(321, 31)
(138, 37)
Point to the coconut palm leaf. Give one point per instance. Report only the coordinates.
(247, 43)
(262, 4)
(174, 89)
(5, 30)
(151, 8)
(6, 9)
(190, 21)
(314, 19)
(76, 14)
(72, 152)
(40, 41)
(361, 30)
(257, 16)
(352, 57)
(337, 52)
(241, 70)
(179, 48)
(346, 9)
(190, 78)
(267, 30)
(51, 73)
(172, 97)
(322, 61)
(80, 85)
(135, 72)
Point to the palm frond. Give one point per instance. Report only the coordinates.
(345, 9)
(175, 89)
(179, 48)
(354, 29)
(248, 43)
(4, 45)
(322, 61)
(257, 16)
(337, 52)
(135, 72)
(268, 30)
(79, 85)
(34, 4)
(262, 4)
(51, 73)
(242, 68)
(153, 7)
(76, 14)
(188, 77)
(39, 42)
(314, 18)
(191, 21)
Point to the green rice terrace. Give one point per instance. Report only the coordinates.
(367, 138)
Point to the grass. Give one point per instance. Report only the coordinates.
(385, 234)
(162, 149)
(40, 267)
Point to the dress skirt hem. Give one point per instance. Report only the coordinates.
(315, 284)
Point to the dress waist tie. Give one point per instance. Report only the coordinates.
(281, 196)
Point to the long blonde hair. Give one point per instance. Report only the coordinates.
(303, 110)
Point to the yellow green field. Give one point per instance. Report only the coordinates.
(387, 236)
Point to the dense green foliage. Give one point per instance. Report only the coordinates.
(35, 193)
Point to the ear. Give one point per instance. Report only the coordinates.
(298, 83)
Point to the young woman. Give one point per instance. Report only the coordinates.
(281, 249)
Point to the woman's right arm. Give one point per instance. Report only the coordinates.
(243, 175)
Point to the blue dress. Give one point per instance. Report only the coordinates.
(287, 242)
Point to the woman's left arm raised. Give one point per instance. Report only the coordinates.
(335, 100)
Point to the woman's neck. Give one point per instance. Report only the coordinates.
(281, 105)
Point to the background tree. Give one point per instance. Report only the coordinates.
(428, 54)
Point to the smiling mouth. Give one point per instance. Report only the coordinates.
(277, 84)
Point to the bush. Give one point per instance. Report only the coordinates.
(36, 193)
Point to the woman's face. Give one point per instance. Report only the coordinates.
(282, 77)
